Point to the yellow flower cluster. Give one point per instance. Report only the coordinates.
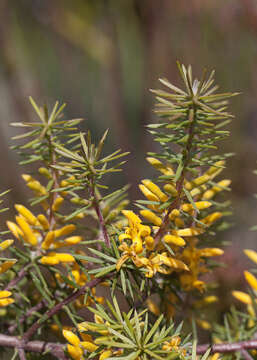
(252, 281)
(76, 347)
(5, 296)
(140, 237)
(173, 345)
(186, 223)
(80, 346)
(194, 258)
(35, 231)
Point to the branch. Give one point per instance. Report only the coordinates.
(21, 274)
(21, 353)
(103, 231)
(246, 355)
(35, 308)
(55, 349)
(227, 347)
(55, 175)
(27, 335)
(179, 184)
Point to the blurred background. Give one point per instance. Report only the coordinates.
(103, 56)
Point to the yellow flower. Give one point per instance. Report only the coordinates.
(170, 189)
(155, 190)
(210, 219)
(65, 230)
(75, 352)
(198, 181)
(187, 232)
(151, 217)
(242, 296)
(196, 264)
(173, 344)
(200, 205)
(251, 254)
(72, 240)
(45, 172)
(15, 230)
(43, 221)
(157, 164)
(89, 346)
(149, 243)
(251, 279)
(49, 239)
(75, 345)
(6, 265)
(71, 338)
(5, 244)
(148, 194)
(29, 235)
(128, 252)
(209, 194)
(153, 307)
(203, 324)
(154, 264)
(136, 232)
(56, 258)
(57, 203)
(105, 355)
(206, 301)
(27, 214)
(34, 185)
(5, 298)
(173, 239)
(208, 252)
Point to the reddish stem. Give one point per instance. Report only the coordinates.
(51, 312)
(33, 346)
(21, 274)
(228, 347)
(35, 308)
(103, 231)
(179, 184)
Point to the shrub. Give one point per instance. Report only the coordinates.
(141, 272)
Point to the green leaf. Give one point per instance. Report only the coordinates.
(179, 171)
(76, 212)
(190, 199)
(88, 258)
(153, 329)
(122, 337)
(123, 281)
(100, 145)
(106, 270)
(38, 111)
(102, 255)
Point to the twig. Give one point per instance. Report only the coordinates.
(227, 347)
(21, 354)
(55, 174)
(246, 355)
(55, 349)
(35, 308)
(103, 231)
(50, 313)
(21, 274)
(179, 184)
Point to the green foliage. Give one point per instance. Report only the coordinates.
(154, 266)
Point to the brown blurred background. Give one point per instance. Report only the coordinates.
(102, 56)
